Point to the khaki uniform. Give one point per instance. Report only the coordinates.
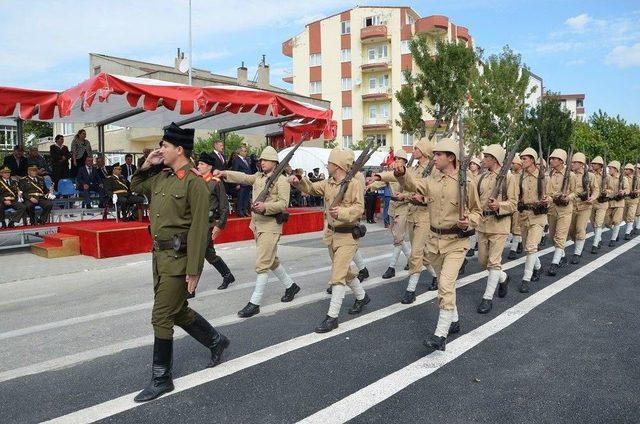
(531, 225)
(599, 209)
(515, 218)
(179, 205)
(265, 229)
(398, 210)
(342, 246)
(631, 203)
(615, 212)
(492, 230)
(581, 208)
(559, 217)
(445, 253)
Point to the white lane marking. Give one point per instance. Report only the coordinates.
(147, 305)
(26, 299)
(125, 403)
(375, 393)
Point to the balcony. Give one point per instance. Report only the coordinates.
(288, 76)
(463, 33)
(377, 124)
(379, 93)
(287, 48)
(375, 65)
(432, 24)
(374, 33)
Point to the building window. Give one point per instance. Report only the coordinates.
(372, 20)
(345, 55)
(384, 110)
(8, 136)
(407, 139)
(381, 139)
(404, 47)
(383, 81)
(347, 140)
(579, 103)
(315, 59)
(379, 113)
(345, 27)
(67, 129)
(373, 81)
(315, 87)
(378, 52)
(97, 70)
(403, 79)
(410, 20)
(346, 112)
(346, 84)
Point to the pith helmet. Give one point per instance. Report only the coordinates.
(341, 158)
(559, 154)
(598, 160)
(269, 153)
(614, 164)
(425, 146)
(579, 157)
(529, 152)
(447, 145)
(497, 151)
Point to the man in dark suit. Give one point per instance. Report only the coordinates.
(218, 155)
(87, 181)
(60, 156)
(17, 163)
(128, 168)
(241, 164)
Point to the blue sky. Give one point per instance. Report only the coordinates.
(586, 46)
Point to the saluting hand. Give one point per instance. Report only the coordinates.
(334, 212)
(154, 158)
(192, 283)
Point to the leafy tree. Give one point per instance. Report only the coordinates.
(551, 121)
(38, 128)
(232, 143)
(622, 140)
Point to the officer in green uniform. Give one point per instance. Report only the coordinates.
(179, 214)
(10, 196)
(35, 194)
(126, 200)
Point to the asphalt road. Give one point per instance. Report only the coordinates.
(75, 344)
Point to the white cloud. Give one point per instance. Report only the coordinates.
(576, 62)
(624, 56)
(557, 47)
(579, 22)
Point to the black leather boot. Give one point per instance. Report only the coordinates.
(594, 249)
(535, 276)
(470, 253)
(203, 332)
(330, 290)
(290, 293)
(512, 255)
(435, 342)
(406, 267)
(359, 304)
(363, 274)
(389, 273)
(408, 297)
(627, 236)
(161, 379)
(454, 328)
(249, 310)
(434, 284)
(553, 270)
(519, 249)
(485, 306)
(612, 243)
(225, 272)
(524, 286)
(563, 261)
(503, 287)
(575, 259)
(328, 324)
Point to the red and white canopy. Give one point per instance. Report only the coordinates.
(24, 103)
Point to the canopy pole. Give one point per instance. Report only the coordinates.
(190, 45)
(20, 132)
(101, 139)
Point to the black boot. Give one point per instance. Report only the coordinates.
(434, 284)
(330, 290)
(535, 276)
(363, 274)
(389, 273)
(485, 306)
(409, 297)
(524, 286)
(618, 237)
(359, 304)
(503, 287)
(553, 270)
(290, 293)
(161, 380)
(627, 236)
(406, 267)
(249, 310)
(575, 259)
(470, 253)
(463, 267)
(612, 243)
(454, 328)
(594, 249)
(327, 325)
(202, 331)
(435, 342)
(519, 248)
(512, 255)
(563, 261)
(225, 272)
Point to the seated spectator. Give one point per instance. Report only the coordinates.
(128, 168)
(88, 181)
(34, 158)
(17, 163)
(126, 201)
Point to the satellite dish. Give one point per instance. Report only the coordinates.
(183, 65)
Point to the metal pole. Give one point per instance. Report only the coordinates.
(190, 44)
(20, 132)
(101, 138)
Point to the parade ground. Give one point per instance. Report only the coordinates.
(76, 340)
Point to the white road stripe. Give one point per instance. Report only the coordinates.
(375, 393)
(124, 403)
(26, 299)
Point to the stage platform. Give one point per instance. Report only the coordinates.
(108, 238)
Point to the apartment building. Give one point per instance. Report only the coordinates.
(355, 59)
(574, 103)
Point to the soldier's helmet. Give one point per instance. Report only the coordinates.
(559, 154)
(497, 151)
(270, 154)
(579, 157)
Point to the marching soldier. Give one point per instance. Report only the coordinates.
(340, 233)
(10, 194)
(631, 202)
(266, 226)
(616, 189)
(448, 238)
(587, 191)
(533, 208)
(398, 212)
(179, 221)
(35, 194)
(515, 247)
(475, 164)
(600, 207)
(561, 208)
(636, 230)
(118, 185)
(218, 212)
(493, 229)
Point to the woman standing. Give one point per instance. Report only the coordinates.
(80, 150)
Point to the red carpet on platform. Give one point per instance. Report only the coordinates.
(106, 239)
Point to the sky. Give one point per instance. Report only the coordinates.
(576, 46)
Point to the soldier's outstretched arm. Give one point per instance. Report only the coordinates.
(197, 237)
(236, 177)
(387, 177)
(280, 205)
(414, 184)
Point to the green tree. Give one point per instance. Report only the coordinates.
(38, 128)
(497, 108)
(587, 140)
(551, 121)
(232, 143)
(622, 140)
(440, 86)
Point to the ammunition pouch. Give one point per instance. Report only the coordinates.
(583, 197)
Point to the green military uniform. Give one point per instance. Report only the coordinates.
(9, 193)
(34, 188)
(119, 186)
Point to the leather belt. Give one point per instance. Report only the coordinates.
(445, 231)
(342, 230)
(489, 213)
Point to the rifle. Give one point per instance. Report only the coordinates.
(462, 178)
(428, 168)
(634, 181)
(585, 181)
(620, 181)
(541, 171)
(603, 180)
(505, 169)
(560, 201)
(283, 216)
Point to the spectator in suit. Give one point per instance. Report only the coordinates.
(254, 163)
(316, 176)
(17, 163)
(370, 202)
(60, 156)
(128, 168)
(80, 151)
(241, 164)
(218, 155)
(87, 181)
